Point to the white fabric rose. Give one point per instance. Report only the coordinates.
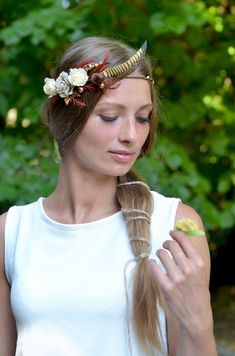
(78, 76)
(63, 85)
(49, 87)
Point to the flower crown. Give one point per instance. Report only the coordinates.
(90, 76)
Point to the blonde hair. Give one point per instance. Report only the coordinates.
(136, 203)
(134, 197)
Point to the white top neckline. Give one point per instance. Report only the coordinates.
(90, 225)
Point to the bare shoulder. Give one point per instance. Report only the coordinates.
(2, 221)
(186, 211)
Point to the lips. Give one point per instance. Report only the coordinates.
(122, 155)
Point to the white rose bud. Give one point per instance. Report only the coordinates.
(49, 87)
(78, 76)
(63, 86)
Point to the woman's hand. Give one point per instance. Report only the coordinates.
(185, 287)
(185, 283)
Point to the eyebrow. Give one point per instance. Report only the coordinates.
(120, 106)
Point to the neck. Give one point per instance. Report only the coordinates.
(81, 198)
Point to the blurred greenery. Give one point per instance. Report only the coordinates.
(192, 46)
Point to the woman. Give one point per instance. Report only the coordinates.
(92, 269)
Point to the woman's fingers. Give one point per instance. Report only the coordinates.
(178, 258)
(182, 265)
(169, 285)
(183, 279)
(187, 247)
(161, 278)
(170, 265)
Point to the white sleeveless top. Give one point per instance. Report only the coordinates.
(67, 280)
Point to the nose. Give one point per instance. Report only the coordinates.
(128, 132)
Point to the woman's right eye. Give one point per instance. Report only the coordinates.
(108, 118)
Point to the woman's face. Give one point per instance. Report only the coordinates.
(115, 132)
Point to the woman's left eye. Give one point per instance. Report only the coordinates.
(143, 120)
(108, 118)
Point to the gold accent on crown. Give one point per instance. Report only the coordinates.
(123, 69)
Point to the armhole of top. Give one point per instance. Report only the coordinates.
(174, 209)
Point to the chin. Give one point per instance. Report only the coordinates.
(120, 172)
(116, 170)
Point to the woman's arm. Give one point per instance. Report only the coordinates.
(7, 322)
(185, 286)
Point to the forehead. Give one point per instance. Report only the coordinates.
(128, 92)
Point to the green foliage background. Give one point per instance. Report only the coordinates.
(192, 46)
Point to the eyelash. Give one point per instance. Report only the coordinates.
(108, 118)
(141, 119)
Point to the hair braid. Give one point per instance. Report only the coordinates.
(136, 203)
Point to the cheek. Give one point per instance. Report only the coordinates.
(145, 134)
(94, 136)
